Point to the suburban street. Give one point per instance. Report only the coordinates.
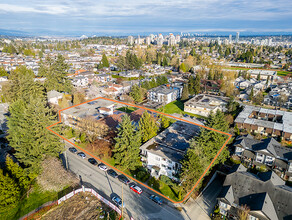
(140, 206)
(136, 206)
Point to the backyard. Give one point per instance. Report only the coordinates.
(177, 107)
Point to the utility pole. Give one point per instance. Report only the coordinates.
(122, 200)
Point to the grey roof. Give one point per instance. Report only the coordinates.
(163, 90)
(285, 126)
(87, 109)
(273, 147)
(172, 142)
(246, 141)
(266, 195)
(207, 101)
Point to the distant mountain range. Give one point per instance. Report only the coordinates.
(51, 33)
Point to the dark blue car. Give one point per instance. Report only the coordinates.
(156, 199)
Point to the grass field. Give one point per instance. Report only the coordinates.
(279, 72)
(177, 107)
(36, 198)
(127, 109)
(283, 73)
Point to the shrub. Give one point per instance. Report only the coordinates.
(166, 180)
(143, 175)
(154, 183)
(82, 137)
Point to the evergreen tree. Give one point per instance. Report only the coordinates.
(164, 121)
(185, 93)
(197, 85)
(204, 148)
(268, 79)
(153, 83)
(27, 132)
(148, 126)
(17, 173)
(104, 61)
(127, 147)
(56, 75)
(164, 80)
(9, 192)
(191, 85)
(21, 85)
(165, 62)
(259, 77)
(121, 63)
(146, 85)
(3, 72)
(136, 94)
(251, 94)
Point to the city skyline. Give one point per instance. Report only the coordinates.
(124, 17)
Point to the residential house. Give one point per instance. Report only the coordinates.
(265, 195)
(267, 151)
(54, 97)
(203, 104)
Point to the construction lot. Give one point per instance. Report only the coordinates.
(81, 206)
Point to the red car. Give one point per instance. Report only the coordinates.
(136, 189)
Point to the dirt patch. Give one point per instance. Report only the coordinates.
(81, 206)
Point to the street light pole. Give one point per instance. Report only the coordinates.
(122, 200)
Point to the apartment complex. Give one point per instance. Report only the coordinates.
(164, 93)
(162, 154)
(269, 122)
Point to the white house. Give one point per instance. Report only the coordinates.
(162, 154)
(54, 97)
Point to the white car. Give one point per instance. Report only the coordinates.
(102, 167)
(136, 189)
(117, 200)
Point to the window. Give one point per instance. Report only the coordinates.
(222, 204)
(252, 217)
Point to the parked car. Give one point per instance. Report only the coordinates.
(112, 173)
(102, 167)
(82, 155)
(156, 199)
(92, 161)
(124, 179)
(136, 188)
(73, 150)
(118, 201)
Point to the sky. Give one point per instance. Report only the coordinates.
(141, 16)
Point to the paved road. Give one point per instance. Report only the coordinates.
(203, 206)
(137, 206)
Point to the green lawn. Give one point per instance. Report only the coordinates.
(177, 107)
(169, 192)
(283, 73)
(127, 109)
(26, 205)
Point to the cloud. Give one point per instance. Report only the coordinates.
(43, 9)
(137, 14)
